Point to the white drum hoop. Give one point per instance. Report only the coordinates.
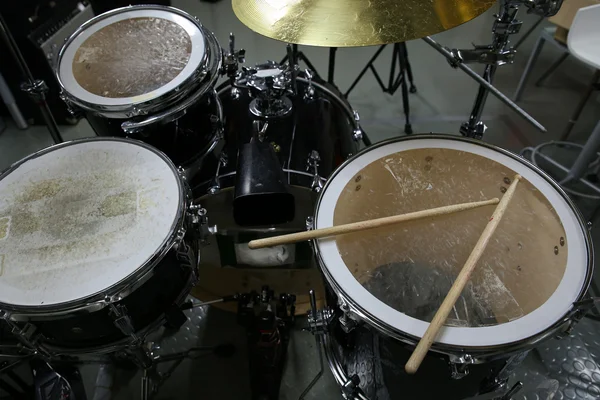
(200, 71)
(124, 287)
(453, 340)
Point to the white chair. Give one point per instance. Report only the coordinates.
(584, 44)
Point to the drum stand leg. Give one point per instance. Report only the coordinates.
(395, 81)
(143, 355)
(318, 324)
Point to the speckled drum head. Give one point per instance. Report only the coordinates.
(79, 218)
(131, 55)
(535, 266)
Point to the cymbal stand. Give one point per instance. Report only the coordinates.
(494, 55)
(35, 88)
(297, 56)
(400, 61)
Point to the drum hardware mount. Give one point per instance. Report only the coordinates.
(293, 56)
(493, 56)
(36, 89)
(313, 163)
(402, 78)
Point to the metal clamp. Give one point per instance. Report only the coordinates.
(233, 58)
(199, 219)
(483, 55)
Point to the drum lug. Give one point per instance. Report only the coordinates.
(179, 237)
(235, 93)
(459, 366)
(310, 223)
(357, 134)
(309, 95)
(215, 187)
(122, 321)
(347, 323)
(181, 173)
(313, 163)
(67, 102)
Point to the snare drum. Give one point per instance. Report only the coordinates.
(525, 289)
(147, 72)
(96, 244)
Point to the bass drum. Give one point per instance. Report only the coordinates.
(310, 142)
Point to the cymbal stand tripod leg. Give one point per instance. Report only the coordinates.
(395, 79)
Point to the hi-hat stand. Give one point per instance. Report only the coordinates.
(494, 55)
(35, 88)
(395, 80)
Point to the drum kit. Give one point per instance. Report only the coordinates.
(102, 239)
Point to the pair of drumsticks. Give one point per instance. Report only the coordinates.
(459, 284)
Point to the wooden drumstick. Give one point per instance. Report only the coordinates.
(459, 284)
(364, 225)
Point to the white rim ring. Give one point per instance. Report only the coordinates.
(552, 311)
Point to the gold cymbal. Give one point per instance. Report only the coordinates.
(347, 23)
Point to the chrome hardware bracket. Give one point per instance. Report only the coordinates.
(122, 321)
(232, 59)
(579, 310)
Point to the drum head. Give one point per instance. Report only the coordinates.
(533, 269)
(79, 218)
(131, 55)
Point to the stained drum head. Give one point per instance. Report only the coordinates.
(79, 218)
(131, 55)
(535, 266)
